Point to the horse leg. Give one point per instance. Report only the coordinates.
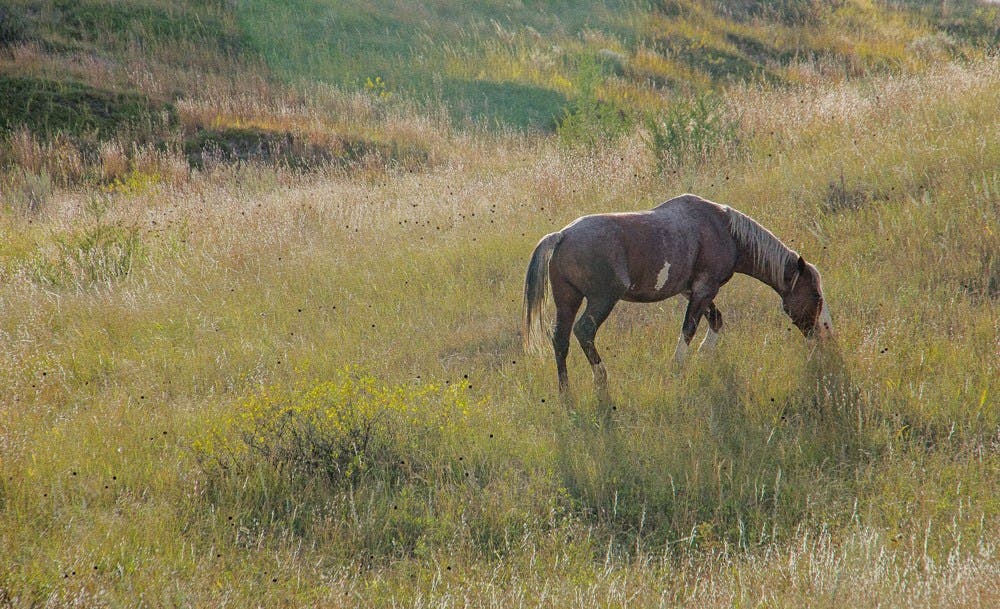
(585, 329)
(698, 304)
(714, 328)
(567, 299)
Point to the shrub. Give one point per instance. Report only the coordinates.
(691, 128)
(590, 121)
(343, 429)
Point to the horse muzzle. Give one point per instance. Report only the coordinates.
(823, 329)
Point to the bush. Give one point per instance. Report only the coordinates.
(590, 121)
(691, 128)
(344, 429)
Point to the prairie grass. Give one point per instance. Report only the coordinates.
(146, 304)
(141, 311)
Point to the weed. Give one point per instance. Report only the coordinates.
(841, 197)
(133, 183)
(346, 429)
(377, 89)
(113, 161)
(28, 193)
(97, 254)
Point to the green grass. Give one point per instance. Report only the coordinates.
(50, 107)
(497, 64)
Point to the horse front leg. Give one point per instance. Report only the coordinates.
(714, 318)
(698, 304)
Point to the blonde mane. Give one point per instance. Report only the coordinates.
(768, 253)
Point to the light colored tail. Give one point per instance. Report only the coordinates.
(535, 334)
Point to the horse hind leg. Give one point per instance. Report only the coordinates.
(714, 318)
(567, 300)
(585, 329)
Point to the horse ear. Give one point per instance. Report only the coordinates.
(802, 264)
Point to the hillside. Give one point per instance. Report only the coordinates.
(261, 271)
(495, 63)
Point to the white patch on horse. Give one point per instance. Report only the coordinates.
(708, 343)
(680, 353)
(664, 274)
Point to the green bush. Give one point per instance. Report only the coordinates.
(690, 129)
(590, 121)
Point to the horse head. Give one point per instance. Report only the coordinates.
(803, 299)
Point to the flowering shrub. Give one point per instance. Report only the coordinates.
(344, 428)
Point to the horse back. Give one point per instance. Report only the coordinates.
(647, 255)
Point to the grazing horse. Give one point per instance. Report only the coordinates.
(688, 246)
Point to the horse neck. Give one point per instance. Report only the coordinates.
(761, 255)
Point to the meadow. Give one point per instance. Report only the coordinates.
(262, 347)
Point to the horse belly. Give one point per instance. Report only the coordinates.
(655, 284)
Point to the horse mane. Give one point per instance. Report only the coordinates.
(768, 253)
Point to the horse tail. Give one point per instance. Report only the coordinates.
(536, 282)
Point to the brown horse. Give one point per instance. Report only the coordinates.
(687, 245)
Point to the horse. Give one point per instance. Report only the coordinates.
(687, 245)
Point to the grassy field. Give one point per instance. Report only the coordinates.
(261, 347)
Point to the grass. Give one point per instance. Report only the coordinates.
(762, 474)
(496, 65)
(258, 382)
(48, 107)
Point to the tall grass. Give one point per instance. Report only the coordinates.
(140, 314)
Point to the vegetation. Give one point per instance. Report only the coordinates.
(48, 107)
(259, 302)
